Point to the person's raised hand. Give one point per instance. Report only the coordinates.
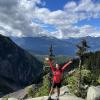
(47, 59)
(70, 61)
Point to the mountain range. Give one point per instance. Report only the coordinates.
(40, 45)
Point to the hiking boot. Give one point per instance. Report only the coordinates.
(57, 98)
(49, 98)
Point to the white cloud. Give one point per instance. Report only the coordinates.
(86, 8)
(82, 31)
(70, 6)
(16, 18)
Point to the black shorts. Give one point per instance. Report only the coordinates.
(58, 85)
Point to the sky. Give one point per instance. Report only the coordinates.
(53, 18)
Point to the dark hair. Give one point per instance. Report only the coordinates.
(60, 68)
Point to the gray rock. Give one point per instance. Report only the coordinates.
(93, 93)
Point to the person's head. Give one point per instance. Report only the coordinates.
(57, 66)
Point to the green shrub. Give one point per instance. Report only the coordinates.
(72, 83)
(30, 92)
(40, 91)
(98, 80)
(43, 90)
(86, 77)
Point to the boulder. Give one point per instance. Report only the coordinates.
(93, 93)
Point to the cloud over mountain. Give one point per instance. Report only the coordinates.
(17, 18)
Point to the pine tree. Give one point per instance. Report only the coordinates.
(82, 49)
(51, 55)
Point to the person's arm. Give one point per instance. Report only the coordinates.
(50, 63)
(66, 65)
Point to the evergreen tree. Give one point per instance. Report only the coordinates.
(82, 50)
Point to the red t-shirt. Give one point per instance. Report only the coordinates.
(57, 73)
(57, 76)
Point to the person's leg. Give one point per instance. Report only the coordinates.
(58, 90)
(51, 91)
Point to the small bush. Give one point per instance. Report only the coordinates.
(30, 92)
(98, 80)
(43, 90)
(86, 77)
(72, 82)
(40, 91)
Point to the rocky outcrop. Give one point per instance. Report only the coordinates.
(18, 68)
(61, 98)
(64, 95)
(93, 93)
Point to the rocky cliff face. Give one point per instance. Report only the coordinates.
(18, 68)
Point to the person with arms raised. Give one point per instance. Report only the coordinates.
(57, 76)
